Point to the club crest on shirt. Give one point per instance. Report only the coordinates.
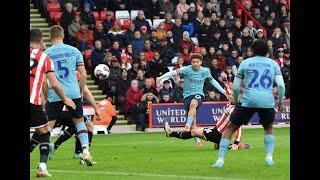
(202, 75)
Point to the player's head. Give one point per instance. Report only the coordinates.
(259, 48)
(56, 33)
(196, 61)
(36, 37)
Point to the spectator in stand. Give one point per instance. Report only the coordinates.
(180, 63)
(140, 78)
(277, 38)
(122, 85)
(286, 30)
(271, 51)
(178, 93)
(222, 62)
(166, 89)
(237, 64)
(187, 24)
(249, 53)
(87, 17)
(258, 16)
(115, 50)
(225, 5)
(153, 39)
(143, 62)
(132, 98)
(222, 28)
(199, 5)
(66, 19)
(247, 5)
(148, 52)
(165, 98)
(107, 59)
(181, 8)
(143, 107)
(154, 10)
(246, 38)
(175, 46)
(192, 12)
(252, 30)
(280, 57)
(211, 53)
(185, 54)
(187, 42)
(137, 44)
(266, 11)
(212, 96)
(117, 34)
(101, 35)
(237, 29)
(216, 7)
(90, 2)
(161, 31)
(206, 32)
(144, 33)
(269, 26)
(275, 19)
(177, 31)
(115, 5)
(97, 54)
(230, 75)
(156, 66)
(239, 46)
(168, 21)
(129, 53)
(130, 34)
(283, 13)
(166, 51)
(197, 23)
(260, 35)
(230, 19)
(124, 64)
(84, 38)
(230, 39)
(231, 60)
(214, 68)
(167, 7)
(147, 87)
(75, 4)
(141, 21)
(132, 73)
(109, 21)
(208, 10)
(286, 76)
(216, 42)
(72, 29)
(115, 74)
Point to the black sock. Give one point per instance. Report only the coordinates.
(113, 121)
(67, 134)
(184, 135)
(44, 141)
(90, 134)
(78, 148)
(34, 141)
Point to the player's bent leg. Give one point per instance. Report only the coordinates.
(89, 126)
(191, 114)
(35, 139)
(44, 140)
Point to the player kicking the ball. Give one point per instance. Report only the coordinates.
(194, 77)
(259, 74)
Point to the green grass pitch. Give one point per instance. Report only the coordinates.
(154, 156)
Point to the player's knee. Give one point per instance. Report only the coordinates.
(268, 128)
(193, 104)
(89, 126)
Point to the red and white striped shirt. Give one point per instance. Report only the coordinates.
(40, 63)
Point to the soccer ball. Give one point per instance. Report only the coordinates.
(102, 71)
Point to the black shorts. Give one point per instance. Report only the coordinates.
(241, 115)
(212, 135)
(65, 119)
(38, 117)
(187, 101)
(54, 109)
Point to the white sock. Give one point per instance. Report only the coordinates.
(43, 166)
(85, 150)
(221, 159)
(269, 156)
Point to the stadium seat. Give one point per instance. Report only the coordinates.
(126, 23)
(134, 14)
(150, 22)
(195, 41)
(99, 128)
(55, 16)
(156, 22)
(53, 7)
(96, 15)
(119, 22)
(122, 14)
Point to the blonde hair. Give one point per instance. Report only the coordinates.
(56, 32)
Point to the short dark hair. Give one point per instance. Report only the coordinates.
(196, 56)
(35, 36)
(259, 48)
(56, 32)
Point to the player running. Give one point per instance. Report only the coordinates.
(259, 74)
(40, 66)
(194, 76)
(68, 59)
(65, 119)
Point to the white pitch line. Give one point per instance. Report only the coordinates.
(141, 174)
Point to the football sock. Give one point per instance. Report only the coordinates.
(269, 140)
(223, 147)
(44, 147)
(34, 141)
(197, 139)
(67, 134)
(181, 134)
(90, 134)
(189, 121)
(82, 134)
(78, 148)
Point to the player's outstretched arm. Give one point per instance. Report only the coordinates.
(83, 77)
(236, 89)
(166, 75)
(281, 90)
(88, 96)
(58, 89)
(215, 84)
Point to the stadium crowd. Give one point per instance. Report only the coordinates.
(138, 52)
